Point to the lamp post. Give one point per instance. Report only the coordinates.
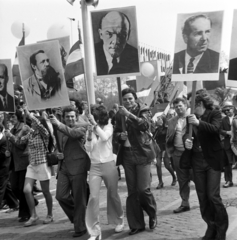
(87, 53)
(87, 48)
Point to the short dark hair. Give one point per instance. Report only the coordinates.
(124, 16)
(205, 98)
(33, 59)
(100, 114)
(129, 90)
(179, 99)
(69, 109)
(186, 28)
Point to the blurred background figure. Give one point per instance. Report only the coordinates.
(160, 136)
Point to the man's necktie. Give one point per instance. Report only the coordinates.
(4, 103)
(190, 65)
(115, 62)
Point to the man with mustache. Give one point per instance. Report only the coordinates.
(113, 54)
(6, 100)
(45, 82)
(197, 58)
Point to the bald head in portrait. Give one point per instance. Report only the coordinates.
(113, 54)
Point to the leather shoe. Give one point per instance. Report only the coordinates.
(79, 234)
(181, 209)
(228, 184)
(153, 222)
(160, 185)
(135, 231)
(174, 182)
(23, 219)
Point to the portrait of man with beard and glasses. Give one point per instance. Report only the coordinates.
(116, 42)
(44, 86)
(6, 99)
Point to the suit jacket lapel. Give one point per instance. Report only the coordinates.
(204, 63)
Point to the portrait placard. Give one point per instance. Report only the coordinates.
(197, 46)
(232, 73)
(42, 75)
(115, 41)
(7, 100)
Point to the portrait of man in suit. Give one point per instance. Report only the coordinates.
(6, 100)
(113, 54)
(42, 72)
(197, 57)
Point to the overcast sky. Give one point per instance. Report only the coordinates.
(156, 19)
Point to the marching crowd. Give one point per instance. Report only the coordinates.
(91, 145)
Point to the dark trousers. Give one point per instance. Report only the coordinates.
(17, 180)
(71, 194)
(228, 169)
(184, 177)
(6, 192)
(207, 182)
(140, 198)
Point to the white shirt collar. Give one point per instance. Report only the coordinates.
(109, 59)
(195, 62)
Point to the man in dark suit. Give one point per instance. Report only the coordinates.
(197, 58)
(175, 148)
(233, 69)
(228, 109)
(113, 54)
(207, 160)
(6, 100)
(72, 170)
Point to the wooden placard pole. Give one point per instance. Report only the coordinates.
(194, 86)
(7, 153)
(121, 101)
(55, 132)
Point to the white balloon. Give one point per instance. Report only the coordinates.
(147, 69)
(58, 30)
(17, 29)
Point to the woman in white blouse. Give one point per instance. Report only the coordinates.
(99, 146)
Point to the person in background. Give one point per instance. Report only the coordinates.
(226, 124)
(175, 148)
(6, 195)
(160, 135)
(20, 161)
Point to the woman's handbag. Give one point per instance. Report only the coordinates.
(52, 157)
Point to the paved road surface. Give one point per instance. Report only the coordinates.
(184, 226)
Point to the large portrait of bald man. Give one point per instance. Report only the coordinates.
(197, 48)
(115, 42)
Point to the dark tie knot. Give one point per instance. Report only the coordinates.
(192, 59)
(114, 61)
